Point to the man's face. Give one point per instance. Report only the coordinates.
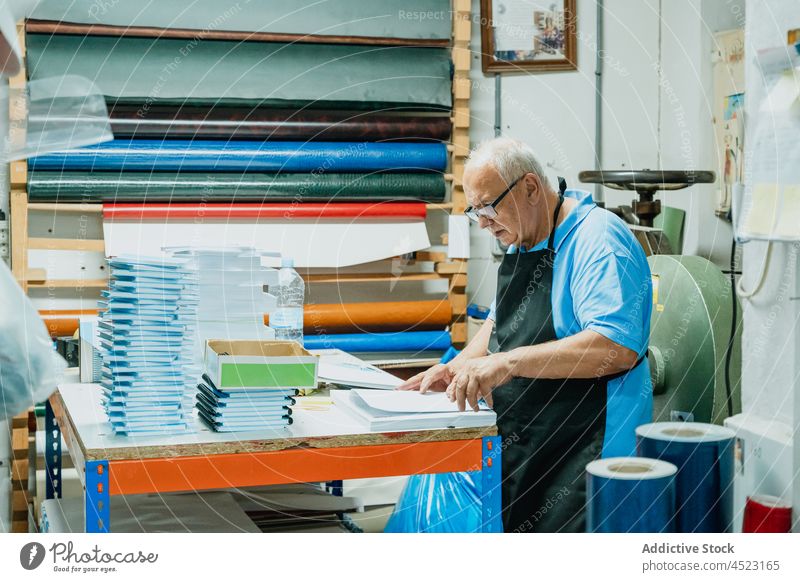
(482, 187)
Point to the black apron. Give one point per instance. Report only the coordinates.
(550, 428)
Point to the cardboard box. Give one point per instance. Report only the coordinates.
(253, 364)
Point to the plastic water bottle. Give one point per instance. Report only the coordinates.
(287, 319)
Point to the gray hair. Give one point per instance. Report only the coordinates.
(510, 157)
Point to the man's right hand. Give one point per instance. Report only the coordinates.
(436, 378)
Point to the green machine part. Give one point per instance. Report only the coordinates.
(689, 333)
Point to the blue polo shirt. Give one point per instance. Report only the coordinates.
(601, 281)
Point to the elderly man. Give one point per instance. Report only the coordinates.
(561, 357)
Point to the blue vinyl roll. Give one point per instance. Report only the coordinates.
(703, 454)
(243, 156)
(405, 341)
(630, 494)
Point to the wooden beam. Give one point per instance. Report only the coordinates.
(19, 442)
(434, 256)
(439, 206)
(19, 474)
(18, 202)
(66, 207)
(462, 87)
(67, 244)
(458, 333)
(20, 420)
(69, 283)
(458, 282)
(459, 303)
(369, 277)
(452, 268)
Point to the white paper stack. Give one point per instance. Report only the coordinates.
(391, 410)
(244, 409)
(146, 332)
(231, 289)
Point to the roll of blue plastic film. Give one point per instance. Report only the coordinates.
(630, 494)
(405, 341)
(247, 156)
(703, 454)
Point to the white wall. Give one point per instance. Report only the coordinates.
(657, 94)
(771, 362)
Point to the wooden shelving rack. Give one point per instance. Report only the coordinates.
(454, 270)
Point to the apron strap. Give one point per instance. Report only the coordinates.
(562, 187)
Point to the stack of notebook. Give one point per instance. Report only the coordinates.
(146, 334)
(243, 409)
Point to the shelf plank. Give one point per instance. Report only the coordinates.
(66, 207)
(69, 283)
(67, 244)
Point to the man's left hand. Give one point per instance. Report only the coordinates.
(476, 380)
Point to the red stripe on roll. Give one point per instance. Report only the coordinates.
(415, 210)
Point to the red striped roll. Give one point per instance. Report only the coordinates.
(391, 210)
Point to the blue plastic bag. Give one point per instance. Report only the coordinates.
(440, 503)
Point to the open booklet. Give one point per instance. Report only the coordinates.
(338, 367)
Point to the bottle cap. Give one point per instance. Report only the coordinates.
(287, 262)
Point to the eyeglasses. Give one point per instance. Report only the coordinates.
(489, 211)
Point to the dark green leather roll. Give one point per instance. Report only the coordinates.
(413, 19)
(151, 70)
(92, 187)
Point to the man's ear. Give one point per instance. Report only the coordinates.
(534, 188)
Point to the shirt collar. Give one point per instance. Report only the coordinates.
(571, 220)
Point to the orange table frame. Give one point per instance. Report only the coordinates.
(103, 478)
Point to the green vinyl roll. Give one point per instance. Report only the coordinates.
(220, 71)
(411, 19)
(165, 187)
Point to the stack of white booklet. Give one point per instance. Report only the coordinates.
(231, 289)
(244, 409)
(146, 333)
(396, 410)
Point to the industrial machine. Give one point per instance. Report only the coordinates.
(692, 348)
(643, 210)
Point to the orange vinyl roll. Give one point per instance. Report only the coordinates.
(61, 326)
(376, 317)
(320, 318)
(61, 323)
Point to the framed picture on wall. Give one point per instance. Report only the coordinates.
(528, 35)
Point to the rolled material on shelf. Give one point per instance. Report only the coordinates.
(630, 494)
(319, 318)
(703, 454)
(273, 124)
(55, 27)
(61, 326)
(405, 341)
(229, 71)
(388, 19)
(309, 210)
(376, 317)
(88, 187)
(64, 322)
(310, 242)
(246, 156)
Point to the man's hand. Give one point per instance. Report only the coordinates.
(477, 378)
(435, 378)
